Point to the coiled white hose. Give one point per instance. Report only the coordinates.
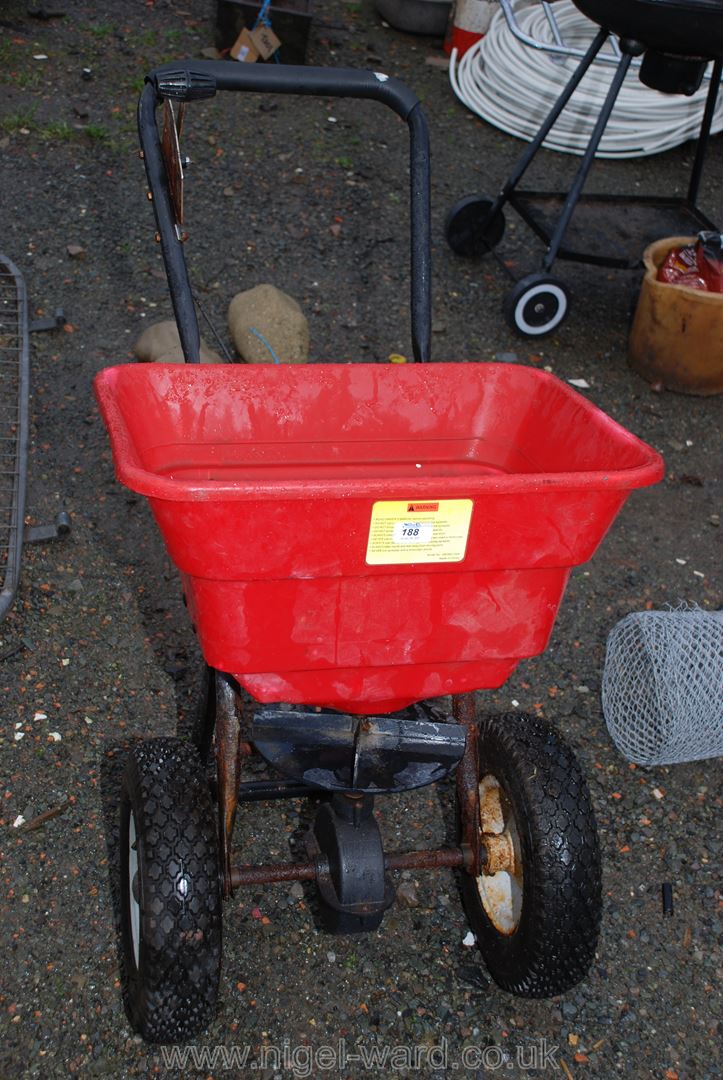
(514, 86)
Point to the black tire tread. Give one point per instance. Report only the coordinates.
(554, 944)
(172, 995)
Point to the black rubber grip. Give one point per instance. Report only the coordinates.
(194, 78)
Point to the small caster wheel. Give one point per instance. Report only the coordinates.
(170, 893)
(354, 890)
(535, 908)
(536, 305)
(468, 228)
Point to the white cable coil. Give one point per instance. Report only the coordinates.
(513, 87)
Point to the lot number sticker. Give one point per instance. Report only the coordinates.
(418, 531)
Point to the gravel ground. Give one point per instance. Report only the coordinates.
(98, 649)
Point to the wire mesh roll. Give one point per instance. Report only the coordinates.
(662, 690)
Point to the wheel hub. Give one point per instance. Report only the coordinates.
(536, 305)
(540, 311)
(500, 854)
(500, 883)
(134, 889)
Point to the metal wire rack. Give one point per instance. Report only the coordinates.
(14, 390)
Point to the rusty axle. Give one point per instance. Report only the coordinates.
(401, 860)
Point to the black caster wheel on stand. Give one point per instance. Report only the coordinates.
(537, 305)
(535, 908)
(354, 889)
(468, 228)
(170, 893)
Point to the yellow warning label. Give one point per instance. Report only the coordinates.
(418, 531)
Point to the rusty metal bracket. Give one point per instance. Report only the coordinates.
(464, 710)
(230, 751)
(371, 754)
(228, 768)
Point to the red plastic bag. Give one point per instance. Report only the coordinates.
(698, 265)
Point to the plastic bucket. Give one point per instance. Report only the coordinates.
(677, 333)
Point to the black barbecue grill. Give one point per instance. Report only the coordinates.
(676, 41)
(669, 31)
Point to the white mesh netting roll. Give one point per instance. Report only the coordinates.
(662, 689)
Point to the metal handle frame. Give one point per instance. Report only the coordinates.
(190, 80)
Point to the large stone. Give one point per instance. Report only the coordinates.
(160, 344)
(277, 318)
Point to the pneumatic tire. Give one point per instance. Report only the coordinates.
(537, 922)
(170, 892)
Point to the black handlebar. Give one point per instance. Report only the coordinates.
(193, 80)
(203, 78)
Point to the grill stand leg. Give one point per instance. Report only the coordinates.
(525, 160)
(629, 50)
(710, 104)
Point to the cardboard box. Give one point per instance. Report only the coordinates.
(244, 48)
(290, 21)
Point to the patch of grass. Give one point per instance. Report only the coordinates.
(25, 79)
(123, 146)
(345, 162)
(59, 130)
(10, 56)
(15, 69)
(97, 132)
(99, 30)
(23, 118)
(130, 87)
(55, 130)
